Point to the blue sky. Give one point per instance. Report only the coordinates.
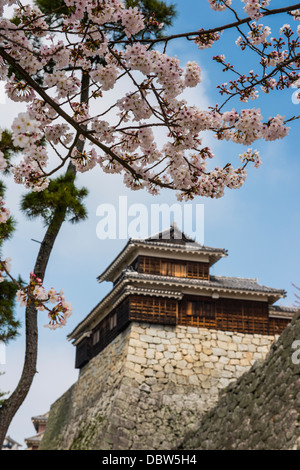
(258, 224)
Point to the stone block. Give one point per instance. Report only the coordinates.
(218, 352)
(172, 348)
(146, 338)
(140, 352)
(222, 345)
(168, 355)
(136, 359)
(181, 364)
(168, 368)
(224, 337)
(207, 351)
(224, 360)
(159, 355)
(136, 343)
(236, 338)
(213, 358)
(193, 380)
(150, 353)
(170, 334)
(192, 330)
(177, 356)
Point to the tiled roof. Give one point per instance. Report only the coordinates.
(34, 439)
(214, 254)
(172, 236)
(218, 282)
(41, 418)
(194, 246)
(9, 442)
(282, 311)
(250, 284)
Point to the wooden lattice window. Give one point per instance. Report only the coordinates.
(96, 337)
(153, 309)
(199, 308)
(113, 321)
(171, 267)
(197, 270)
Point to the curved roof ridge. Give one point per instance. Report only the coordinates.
(235, 277)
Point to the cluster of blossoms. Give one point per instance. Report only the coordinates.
(274, 58)
(18, 90)
(84, 161)
(206, 40)
(4, 212)
(58, 132)
(275, 129)
(3, 162)
(132, 21)
(244, 86)
(269, 84)
(219, 5)
(110, 11)
(253, 8)
(192, 74)
(65, 85)
(105, 75)
(249, 127)
(29, 136)
(258, 33)
(35, 293)
(250, 156)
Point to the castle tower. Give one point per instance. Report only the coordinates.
(154, 354)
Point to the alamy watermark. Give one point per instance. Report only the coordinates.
(296, 354)
(296, 95)
(140, 221)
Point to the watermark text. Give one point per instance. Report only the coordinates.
(139, 221)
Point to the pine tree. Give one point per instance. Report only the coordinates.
(9, 325)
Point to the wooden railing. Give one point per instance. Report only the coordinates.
(153, 309)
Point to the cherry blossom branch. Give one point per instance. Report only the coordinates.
(34, 293)
(60, 111)
(130, 147)
(217, 29)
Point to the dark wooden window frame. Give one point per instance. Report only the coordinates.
(170, 267)
(224, 314)
(201, 308)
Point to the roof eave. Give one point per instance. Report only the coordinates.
(124, 284)
(133, 244)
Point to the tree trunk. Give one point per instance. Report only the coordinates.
(11, 405)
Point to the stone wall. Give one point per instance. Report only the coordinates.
(261, 410)
(149, 387)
